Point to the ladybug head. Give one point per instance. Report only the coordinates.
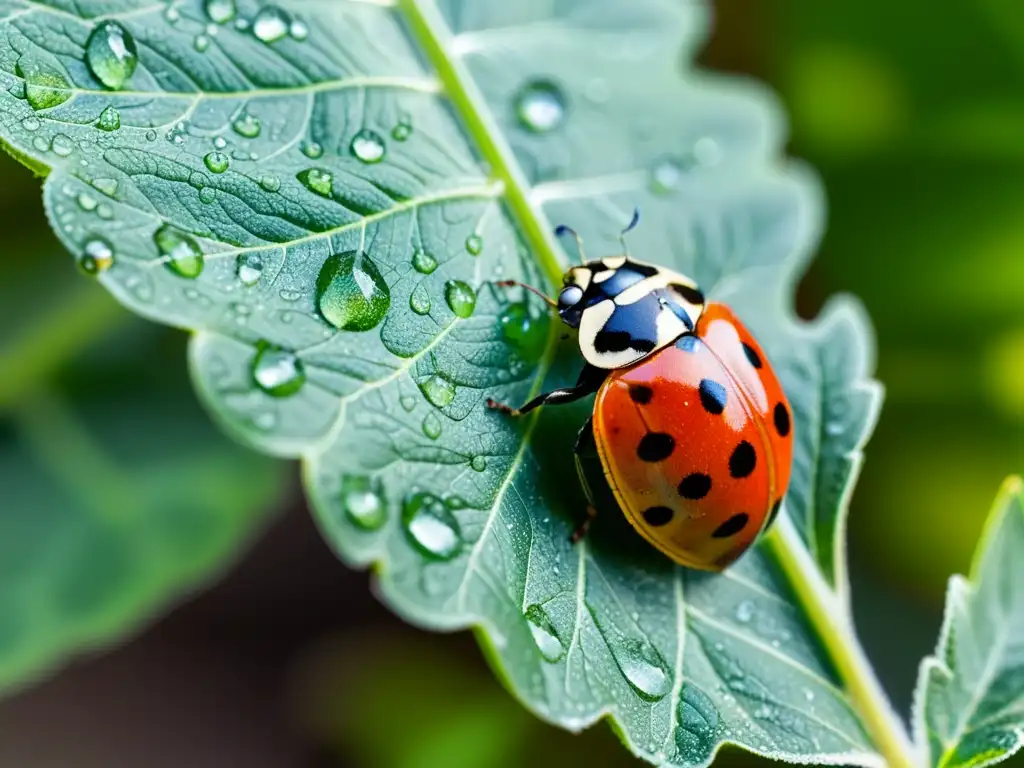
(570, 298)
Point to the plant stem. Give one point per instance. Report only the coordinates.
(835, 628)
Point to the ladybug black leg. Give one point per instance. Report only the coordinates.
(586, 449)
(580, 532)
(588, 383)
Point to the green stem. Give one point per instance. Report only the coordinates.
(41, 347)
(431, 33)
(834, 626)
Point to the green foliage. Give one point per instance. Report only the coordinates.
(970, 703)
(325, 192)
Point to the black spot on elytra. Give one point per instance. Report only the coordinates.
(752, 356)
(695, 486)
(781, 417)
(692, 295)
(657, 515)
(712, 396)
(743, 460)
(732, 526)
(640, 394)
(655, 446)
(773, 514)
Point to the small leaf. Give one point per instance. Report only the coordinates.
(969, 704)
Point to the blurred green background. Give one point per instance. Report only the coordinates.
(913, 114)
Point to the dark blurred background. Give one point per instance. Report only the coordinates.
(913, 114)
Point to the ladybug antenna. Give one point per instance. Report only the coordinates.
(629, 228)
(562, 230)
(514, 283)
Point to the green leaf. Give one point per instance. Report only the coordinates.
(969, 705)
(326, 191)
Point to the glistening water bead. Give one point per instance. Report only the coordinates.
(97, 256)
(271, 24)
(278, 372)
(431, 527)
(351, 293)
(182, 254)
(111, 54)
(368, 146)
(540, 106)
(363, 501)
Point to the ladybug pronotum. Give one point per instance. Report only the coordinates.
(693, 430)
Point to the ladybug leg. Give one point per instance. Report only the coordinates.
(588, 383)
(585, 449)
(580, 532)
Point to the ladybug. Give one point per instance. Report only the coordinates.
(692, 429)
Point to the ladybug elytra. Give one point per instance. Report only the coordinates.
(692, 427)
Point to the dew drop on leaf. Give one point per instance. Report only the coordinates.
(311, 149)
(217, 162)
(97, 256)
(540, 106)
(478, 463)
(111, 54)
(643, 668)
(270, 183)
(666, 175)
(298, 30)
(368, 146)
(423, 262)
(220, 11)
(317, 180)
(431, 527)
(461, 297)
(474, 244)
(247, 125)
(270, 24)
(86, 202)
(182, 254)
(105, 185)
(419, 300)
(62, 145)
(438, 390)
(201, 43)
(249, 269)
(30, 124)
(109, 119)
(207, 195)
(277, 372)
(744, 612)
(408, 402)
(403, 130)
(363, 502)
(544, 633)
(350, 292)
(525, 332)
(432, 426)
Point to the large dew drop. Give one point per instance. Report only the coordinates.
(43, 90)
(461, 297)
(431, 527)
(97, 256)
(109, 120)
(249, 269)
(419, 300)
(540, 106)
(643, 667)
(363, 502)
(220, 11)
(111, 54)
(350, 292)
(277, 372)
(438, 390)
(525, 332)
(423, 262)
(247, 125)
(316, 180)
(271, 24)
(368, 146)
(182, 254)
(544, 634)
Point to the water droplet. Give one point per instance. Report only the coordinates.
(270, 183)
(744, 612)
(220, 142)
(30, 124)
(111, 54)
(104, 211)
(298, 30)
(247, 125)
(403, 130)
(41, 144)
(525, 332)
(544, 633)
(277, 372)
(363, 501)
(109, 120)
(316, 180)
(438, 390)
(350, 292)
(97, 256)
(423, 262)
(86, 202)
(270, 24)
(474, 244)
(540, 106)
(431, 527)
(105, 185)
(201, 43)
(150, 135)
(183, 256)
(419, 300)
(172, 14)
(207, 195)
(220, 11)
(809, 694)
(368, 146)
(478, 463)
(461, 297)
(432, 426)
(62, 145)
(408, 402)
(241, 24)
(217, 162)
(666, 175)
(643, 668)
(834, 428)
(311, 149)
(249, 268)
